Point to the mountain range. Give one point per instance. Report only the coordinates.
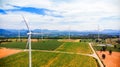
(46, 32)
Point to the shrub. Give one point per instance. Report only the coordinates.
(103, 56)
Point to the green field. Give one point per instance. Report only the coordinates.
(77, 47)
(46, 59)
(42, 45)
(50, 59)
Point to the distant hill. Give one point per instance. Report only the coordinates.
(46, 32)
(4, 32)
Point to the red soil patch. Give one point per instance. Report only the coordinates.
(4, 52)
(112, 60)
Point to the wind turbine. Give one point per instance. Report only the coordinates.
(29, 41)
(98, 32)
(69, 33)
(119, 36)
(19, 35)
(41, 34)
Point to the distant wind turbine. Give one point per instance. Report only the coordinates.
(98, 32)
(41, 34)
(69, 33)
(119, 36)
(18, 35)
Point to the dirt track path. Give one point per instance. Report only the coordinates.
(96, 56)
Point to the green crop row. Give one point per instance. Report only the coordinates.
(46, 59)
(78, 47)
(42, 45)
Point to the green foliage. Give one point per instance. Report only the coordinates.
(108, 48)
(42, 45)
(46, 59)
(78, 47)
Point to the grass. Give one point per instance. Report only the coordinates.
(46, 45)
(42, 45)
(19, 45)
(77, 47)
(46, 59)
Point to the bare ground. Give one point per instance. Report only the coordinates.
(4, 52)
(112, 60)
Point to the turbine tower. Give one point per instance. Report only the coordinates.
(19, 35)
(41, 34)
(69, 33)
(119, 35)
(29, 41)
(98, 32)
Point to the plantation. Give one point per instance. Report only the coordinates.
(42, 45)
(77, 47)
(46, 59)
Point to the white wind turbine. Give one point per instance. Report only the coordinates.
(69, 35)
(98, 32)
(41, 33)
(19, 35)
(29, 41)
(119, 35)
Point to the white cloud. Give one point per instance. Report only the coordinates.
(79, 14)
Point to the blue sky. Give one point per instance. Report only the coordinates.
(60, 14)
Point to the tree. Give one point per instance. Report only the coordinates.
(0, 42)
(103, 56)
(118, 41)
(104, 48)
(115, 46)
(110, 52)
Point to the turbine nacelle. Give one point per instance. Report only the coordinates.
(30, 33)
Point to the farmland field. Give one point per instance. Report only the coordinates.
(46, 59)
(50, 53)
(42, 45)
(77, 47)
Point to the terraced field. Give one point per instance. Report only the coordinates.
(46, 59)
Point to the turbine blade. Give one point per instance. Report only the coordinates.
(26, 23)
(26, 44)
(26, 47)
